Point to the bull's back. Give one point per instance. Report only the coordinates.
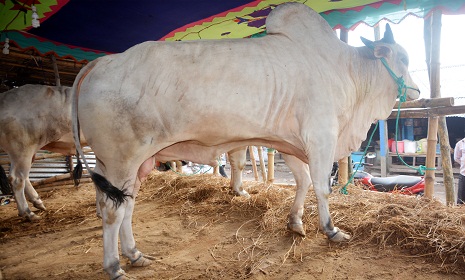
(34, 115)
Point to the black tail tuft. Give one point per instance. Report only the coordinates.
(116, 195)
(77, 173)
(5, 186)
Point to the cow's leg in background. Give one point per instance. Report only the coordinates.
(237, 159)
(320, 163)
(303, 181)
(19, 176)
(33, 196)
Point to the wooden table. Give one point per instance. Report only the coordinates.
(414, 156)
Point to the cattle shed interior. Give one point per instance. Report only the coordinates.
(26, 66)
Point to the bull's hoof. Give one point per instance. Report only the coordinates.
(243, 193)
(297, 228)
(339, 236)
(33, 217)
(39, 205)
(142, 261)
(120, 275)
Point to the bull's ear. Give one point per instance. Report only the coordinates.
(367, 42)
(388, 36)
(382, 50)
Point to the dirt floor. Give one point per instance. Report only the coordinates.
(201, 231)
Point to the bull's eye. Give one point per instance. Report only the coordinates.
(404, 60)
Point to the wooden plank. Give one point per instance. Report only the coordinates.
(426, 103)
(429, 112)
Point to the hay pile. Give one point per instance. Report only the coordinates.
(421, 226)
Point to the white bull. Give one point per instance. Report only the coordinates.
(33, 117)
(308, 95)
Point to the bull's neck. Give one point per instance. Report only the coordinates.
(373, 99)
(377, 87)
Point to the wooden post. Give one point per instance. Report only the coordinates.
(448, 174)
(432, 46)
(343, 164)
(431, 156)
(173, 165)
(55, 70)
(262, 163)
(254, 163)
(434, 70)
(383, 130)
(343, 171)
(178, 166)
(271, 165)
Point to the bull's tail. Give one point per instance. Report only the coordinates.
(5, 186)
(116, 195)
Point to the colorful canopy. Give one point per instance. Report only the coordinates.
(77, 29)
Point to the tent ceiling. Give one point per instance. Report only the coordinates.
(79, 31)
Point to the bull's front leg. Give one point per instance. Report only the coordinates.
(303, 181)
(19, 176)
(320, 169)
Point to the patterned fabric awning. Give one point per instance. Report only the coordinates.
(84, 30)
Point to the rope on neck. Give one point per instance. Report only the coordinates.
(402, 95)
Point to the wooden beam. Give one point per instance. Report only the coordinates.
(70, 63)
(39, 69)
(429, 112)
(426, 103)
(55, 70)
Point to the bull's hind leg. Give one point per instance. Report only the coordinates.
(320, 169)
(128, 244)
(117, 218)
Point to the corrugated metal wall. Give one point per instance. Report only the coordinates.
(48, 167)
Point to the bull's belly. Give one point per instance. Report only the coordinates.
(199, 153)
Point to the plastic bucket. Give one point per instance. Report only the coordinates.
(410, 147)
(400, 146)
(357, 158)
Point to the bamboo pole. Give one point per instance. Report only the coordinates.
(432, 46)
(55, 70)
(446, 161)
(343, 171)
(434, 70)
(254, 163)
(51, 179)
(178, 166)
(271, 165)
(61, 183)
(262, 163)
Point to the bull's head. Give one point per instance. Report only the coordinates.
(395, 59)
